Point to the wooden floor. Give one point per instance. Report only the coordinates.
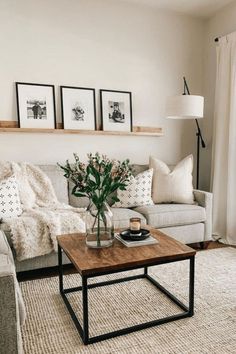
(69, 269)
(211, 246)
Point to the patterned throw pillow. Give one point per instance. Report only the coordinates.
(137, 193)
(9, 198)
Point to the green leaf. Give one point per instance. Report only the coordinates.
(95, 199)
(88, 169)
(92, 184)
(115, 199)
(123, 187)
(107, 181)
(78, 194)
(74, 189)
(114, 187)
(96, 174)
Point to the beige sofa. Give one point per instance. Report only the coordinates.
(186, 223)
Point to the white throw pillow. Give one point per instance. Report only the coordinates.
(138, 192)
(172, 186)
(9, 198)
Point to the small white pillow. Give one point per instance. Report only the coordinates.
(172, 186)
(138, 192)
(10, 206)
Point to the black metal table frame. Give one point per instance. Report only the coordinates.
(84, 331)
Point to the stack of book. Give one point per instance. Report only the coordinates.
(130, 243)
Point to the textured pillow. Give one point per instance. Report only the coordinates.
(174, 186)
(9, 198)
(138, 192)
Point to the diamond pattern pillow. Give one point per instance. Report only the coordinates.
(137, 193)
(9, 198)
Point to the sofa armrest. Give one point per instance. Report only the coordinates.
(204, 199)
(10, 333)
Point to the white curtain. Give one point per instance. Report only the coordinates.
(224, 143)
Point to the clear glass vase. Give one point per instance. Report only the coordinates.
(99, 226)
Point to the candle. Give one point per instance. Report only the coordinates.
(135, 224)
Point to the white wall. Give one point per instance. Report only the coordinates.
(222, 23)
(101, 44)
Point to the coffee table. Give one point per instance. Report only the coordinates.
(97, 262)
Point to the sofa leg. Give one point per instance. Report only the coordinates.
(204, 245)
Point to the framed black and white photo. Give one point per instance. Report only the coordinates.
(78, 108)
(116, 110)
(36, 105)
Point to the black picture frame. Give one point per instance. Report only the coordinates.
(38, 123)
(91, 125)
(111, 127)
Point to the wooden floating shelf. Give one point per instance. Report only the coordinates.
(11, 127)
(82, 132)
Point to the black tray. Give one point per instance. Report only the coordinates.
(126, 235)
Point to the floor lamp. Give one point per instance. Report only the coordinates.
(187, 106)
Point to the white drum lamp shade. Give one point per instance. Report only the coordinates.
(185, 107)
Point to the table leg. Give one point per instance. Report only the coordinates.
(145, 270)
(85, 309)
(191, 286)
(60, 269)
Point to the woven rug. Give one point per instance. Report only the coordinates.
(49, 328)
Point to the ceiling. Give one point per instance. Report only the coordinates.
(199, 8)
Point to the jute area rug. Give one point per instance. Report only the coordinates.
(49, 328)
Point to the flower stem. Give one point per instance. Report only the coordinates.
(98, 230)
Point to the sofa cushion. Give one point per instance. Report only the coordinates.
(7, 267)
(186, 233)
(136, 169)
(7, 231)
(5, 261)
(121, 217)
(10, 205)
(172, 186)
(137, 192)
(164, 215)
(5, 248)
(77, 202)
(58, 180)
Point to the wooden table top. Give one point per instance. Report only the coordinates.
(91, 261)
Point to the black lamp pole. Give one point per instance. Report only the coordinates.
(199, 134)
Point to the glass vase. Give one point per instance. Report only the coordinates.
(99, 226)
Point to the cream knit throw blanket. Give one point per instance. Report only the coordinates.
(43, 218)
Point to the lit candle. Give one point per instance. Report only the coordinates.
(135, 224)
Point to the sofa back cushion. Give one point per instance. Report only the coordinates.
(77, 202)
(58, 180)
(136, 169)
